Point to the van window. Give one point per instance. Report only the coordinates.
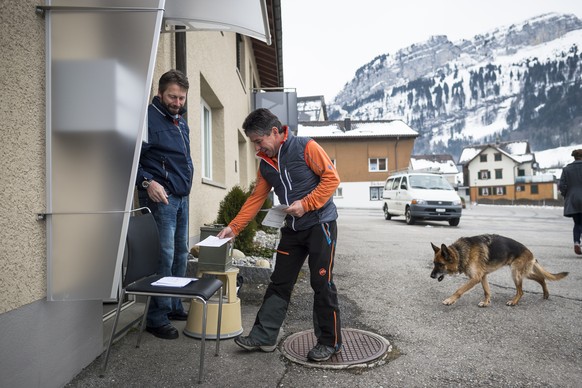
(432, 182)
(396, 183)
(404, 185)
(388, 184)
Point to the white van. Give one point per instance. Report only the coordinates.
(421, 196)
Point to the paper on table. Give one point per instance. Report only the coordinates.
(171, 281)
(213, 241)
(275, 216)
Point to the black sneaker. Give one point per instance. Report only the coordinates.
(250, 344)
(321, 352)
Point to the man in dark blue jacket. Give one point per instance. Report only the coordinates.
(164, 180)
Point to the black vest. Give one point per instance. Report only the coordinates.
(294, 181)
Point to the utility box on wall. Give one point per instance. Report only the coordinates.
(83, 102)
(281, 103)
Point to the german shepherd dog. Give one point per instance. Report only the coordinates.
(480, 255)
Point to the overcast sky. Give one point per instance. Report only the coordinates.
(326, 41)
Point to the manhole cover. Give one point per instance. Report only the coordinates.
(359, 347)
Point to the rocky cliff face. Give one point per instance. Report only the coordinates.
(517, 82)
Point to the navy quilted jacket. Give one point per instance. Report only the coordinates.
(165, 157)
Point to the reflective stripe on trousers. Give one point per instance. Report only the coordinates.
(317, 243)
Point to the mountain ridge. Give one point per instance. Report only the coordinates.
(515, 82)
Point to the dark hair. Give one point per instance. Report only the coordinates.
(577, 154)
(173, 77)
(261, 121)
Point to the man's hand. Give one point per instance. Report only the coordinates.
(225, 233)
(157, 193)
(295, 209)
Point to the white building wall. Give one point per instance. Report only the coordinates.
(508, 165)
(357, 195)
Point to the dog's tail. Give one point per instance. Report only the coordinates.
(540, 271)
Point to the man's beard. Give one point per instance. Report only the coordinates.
(172, 110)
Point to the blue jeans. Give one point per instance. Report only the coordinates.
(172, 221)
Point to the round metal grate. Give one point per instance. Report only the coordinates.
(359, 347)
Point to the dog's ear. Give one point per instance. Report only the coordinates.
(445, 252)
(434, 248)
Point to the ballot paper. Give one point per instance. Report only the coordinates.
(275, 216)
(171, 281)
(213, 241)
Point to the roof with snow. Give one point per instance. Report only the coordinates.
(441, 163)
(355, 129)
(517, 150)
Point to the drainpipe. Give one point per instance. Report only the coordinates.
(180, 48)
(396, 153)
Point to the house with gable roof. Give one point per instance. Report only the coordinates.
(504, 171)
(365, 153)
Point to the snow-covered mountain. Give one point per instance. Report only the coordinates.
(521, 82)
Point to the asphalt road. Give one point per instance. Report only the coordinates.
(383, 276)
(382, 271)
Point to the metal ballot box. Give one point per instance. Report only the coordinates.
(214, 258)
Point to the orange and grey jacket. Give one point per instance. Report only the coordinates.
(301, 171)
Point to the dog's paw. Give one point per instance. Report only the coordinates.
(484, 303)
(449, 301)
(511, 303)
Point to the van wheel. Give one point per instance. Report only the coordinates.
(409, 218)
(387, 216)
(454, 221)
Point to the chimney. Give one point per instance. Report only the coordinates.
(347, 124)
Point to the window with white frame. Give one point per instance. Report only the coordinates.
(206, 139)
(338, 192)
(377, 164)
(484, 174)
(484, 191)
(498, 173)
(500, 190)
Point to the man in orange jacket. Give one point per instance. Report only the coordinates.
(304, 178)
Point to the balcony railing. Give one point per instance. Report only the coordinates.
(535, 178)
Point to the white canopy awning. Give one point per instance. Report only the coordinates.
(247, 17)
